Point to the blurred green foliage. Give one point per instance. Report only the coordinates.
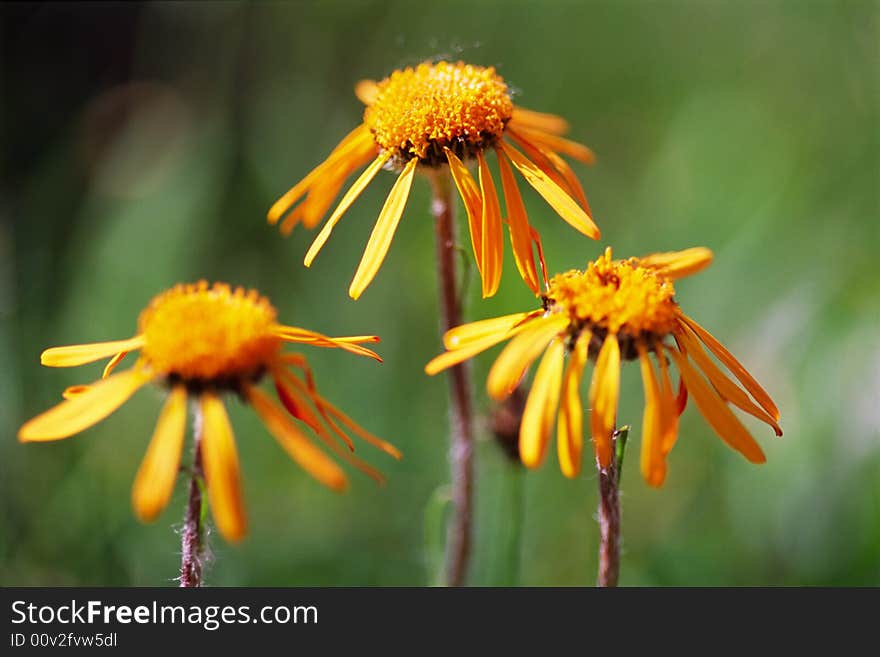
(142, 144)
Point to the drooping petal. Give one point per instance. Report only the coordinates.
(518, 221)
(717, 413)
(569, 431)
(572, 182)
(108, 369)
(80, 354)
(540, 410)
(383, 231)
(558, 198)
(678, 264)
(346, 455)
(458, 337)
(725, 387)
(540, 120)
(328, 411)
(295, 443)
(732, 364)
(351, 142)
(301, 394)
(681, 399)
(365, 435)
(492, 242)
(366, 91)
(559, 144)
(604, 390)
(298, 335)
(668, 402)
(85, 409)
(653, 461)
(155, 478)
(353, 192)
(220, 461)
(295, 403)
(472, 348)
(541, 159)
(536, 238)
(470, 196)
(327, 187)
(519, 354)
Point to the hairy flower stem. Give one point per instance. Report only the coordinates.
(609, 513)
(192, 548)
(458, 539)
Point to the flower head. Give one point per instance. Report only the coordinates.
(614, 310)
(200, 341)
(440, 115)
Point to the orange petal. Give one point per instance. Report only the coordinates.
(669, 404)
(352, 141)
(717, 413)
(653, 463)
(542, 159)
(79, 354)
(518, 221)
(108, 370)
(492, 242)
(571, 180)
(604, 390)
(366, 91)
(472, 348)
(734, 366)
(353, 192)
(73, 391)
(371, 438)
(520, 352)
(295, 402)
(328, 412)
(540, 410)
(678, 264)
(304, 336)
(470, 196)
(220, 460)
(536, 238)
(559, 144)
(725, 387)
(558, 198)
(85, 409)
(327, 187)
(569, 431)
(155, 478)
(546, 122)
(346, 455)
(295, 443)
(383, 231)
(458, 337)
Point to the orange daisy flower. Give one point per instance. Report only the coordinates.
(443, 114)
(200, 342)
(613, 310)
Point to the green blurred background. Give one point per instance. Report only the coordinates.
(141, 145)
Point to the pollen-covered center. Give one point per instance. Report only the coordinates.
(616, 296)
(418, 111)
(209, 336)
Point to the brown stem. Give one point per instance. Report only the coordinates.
(191, 552)
(458, 539)
(609, 523)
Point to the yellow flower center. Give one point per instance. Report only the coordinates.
(418, 111)
(209, 336)
(616, 296)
